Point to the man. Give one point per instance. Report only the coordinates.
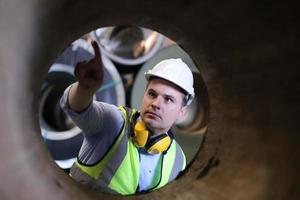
(125, 151)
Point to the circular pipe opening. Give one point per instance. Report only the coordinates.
(250, 76)
(189, 132)
(128, 45)
(52, 116)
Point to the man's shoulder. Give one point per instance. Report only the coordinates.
(127, 109)
(128, 112)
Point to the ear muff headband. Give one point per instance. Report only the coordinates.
(159, 144)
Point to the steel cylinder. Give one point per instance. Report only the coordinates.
(248, 55)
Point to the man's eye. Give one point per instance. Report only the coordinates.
(152, 94)
(169, 100)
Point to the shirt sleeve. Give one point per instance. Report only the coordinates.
(100, 124)
(97, 118)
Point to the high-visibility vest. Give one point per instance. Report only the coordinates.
(118, 171)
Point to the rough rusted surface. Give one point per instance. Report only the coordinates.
(247, 52)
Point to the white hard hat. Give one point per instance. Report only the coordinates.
(177, 72)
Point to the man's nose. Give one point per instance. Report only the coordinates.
(156, 103)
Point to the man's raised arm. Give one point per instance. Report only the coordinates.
(90, 77)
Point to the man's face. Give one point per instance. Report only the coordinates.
(162, 105)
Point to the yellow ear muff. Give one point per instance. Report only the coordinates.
(161, 145)
(140, 134)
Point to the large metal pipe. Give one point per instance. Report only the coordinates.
(248, 53)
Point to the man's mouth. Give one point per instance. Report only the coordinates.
(152, 114)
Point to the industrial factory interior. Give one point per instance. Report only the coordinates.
(124, 84)
(240, 135)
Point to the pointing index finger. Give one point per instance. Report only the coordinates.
(97, 51)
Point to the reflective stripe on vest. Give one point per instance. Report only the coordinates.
(118, 171)
(179, 163)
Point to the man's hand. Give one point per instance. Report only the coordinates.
(90, 73)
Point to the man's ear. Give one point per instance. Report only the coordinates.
(182, 113)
